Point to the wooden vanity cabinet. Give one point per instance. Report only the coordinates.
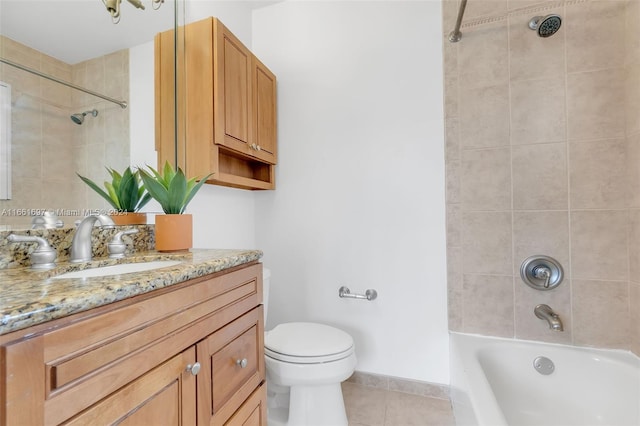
(226, 102)
(188, 354)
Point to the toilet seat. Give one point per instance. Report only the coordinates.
(307, 343)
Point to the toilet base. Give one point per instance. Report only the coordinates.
(321, 405)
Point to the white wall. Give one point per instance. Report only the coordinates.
(360, 179)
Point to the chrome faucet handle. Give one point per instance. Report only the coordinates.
(44, 256)
(117, 246)
(542, 273)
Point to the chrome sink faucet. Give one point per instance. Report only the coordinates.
(546, 313)
(81, 244)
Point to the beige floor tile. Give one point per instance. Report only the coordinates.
(368, 406)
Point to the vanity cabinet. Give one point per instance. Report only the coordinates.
(188, 354)
(226, 102)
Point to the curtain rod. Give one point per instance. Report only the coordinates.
(123, 104)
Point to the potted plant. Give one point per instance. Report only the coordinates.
(125, 193)
(173, 191)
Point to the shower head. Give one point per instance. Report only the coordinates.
(545, 26)
(78, 118)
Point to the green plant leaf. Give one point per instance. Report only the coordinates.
(125, 192)
(177, 192)
(170, 187)
(99, 190)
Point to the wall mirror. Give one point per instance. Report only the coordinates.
(55, 130)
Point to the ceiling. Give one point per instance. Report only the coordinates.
(77, 30)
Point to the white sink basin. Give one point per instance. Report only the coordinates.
(123, 268)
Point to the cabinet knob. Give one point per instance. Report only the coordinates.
(193, 368)
(258, 147)
(242, 362)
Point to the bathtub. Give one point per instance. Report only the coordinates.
(494, 383)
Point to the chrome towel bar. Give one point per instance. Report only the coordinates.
(370, 294)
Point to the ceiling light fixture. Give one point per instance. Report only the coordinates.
(113, 7)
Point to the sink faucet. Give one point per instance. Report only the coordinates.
(546, 313)
(81, 244)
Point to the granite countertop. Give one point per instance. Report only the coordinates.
(29, 297)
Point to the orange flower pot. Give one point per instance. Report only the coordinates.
(129, 218)
(174, 232)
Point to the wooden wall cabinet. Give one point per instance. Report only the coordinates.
(226, 102)
(134, 362)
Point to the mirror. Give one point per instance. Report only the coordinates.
(57, 131)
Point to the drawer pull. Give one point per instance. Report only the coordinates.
(194, 368)
(242, 362)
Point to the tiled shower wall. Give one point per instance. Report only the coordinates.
(47, 147)
(543, 157)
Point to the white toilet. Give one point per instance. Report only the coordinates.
(305, 363)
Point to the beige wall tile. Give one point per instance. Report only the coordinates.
(454, 225)
(632, 99)
(598, 174)
(633, 170)
(532, 57)
(452, 181)
(595, 33)
(488, 305)
(541, 117)
(599, 244)
(594, 107)
(519, 4)
(454, 287)
(541, 233)
(452, 139)
(478, 8)
(540, 177)
(486, 243)
(632, 28)
(634, 245)
(486, 179)
(451, 89)
(483, 57)
(483, 121)
(601, 313)
(634, 320)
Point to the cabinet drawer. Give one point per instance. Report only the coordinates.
(232, 367)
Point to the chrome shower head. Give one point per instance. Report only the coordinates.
(78, 118)
(545, 26)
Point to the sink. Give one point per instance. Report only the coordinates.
(124, 268)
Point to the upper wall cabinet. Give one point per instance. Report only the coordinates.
(226, 102)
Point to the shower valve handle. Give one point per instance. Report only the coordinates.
(542, 273)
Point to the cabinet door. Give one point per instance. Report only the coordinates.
(232, 367)
(165, 395)
(264, 142)
(232, 92)
(254, 410)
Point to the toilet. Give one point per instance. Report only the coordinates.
(306, 363)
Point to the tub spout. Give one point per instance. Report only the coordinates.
(546, 313)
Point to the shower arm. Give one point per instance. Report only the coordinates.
(456, 35)
(123, 104)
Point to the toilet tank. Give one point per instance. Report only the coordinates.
(266, 284)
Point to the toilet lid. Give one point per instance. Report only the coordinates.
(305, 339)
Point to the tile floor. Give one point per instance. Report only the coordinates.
(370, 406)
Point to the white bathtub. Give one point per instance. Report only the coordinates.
(494, 383)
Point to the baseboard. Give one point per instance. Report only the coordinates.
(397, 384)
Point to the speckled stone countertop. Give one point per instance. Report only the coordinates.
(29, 297)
